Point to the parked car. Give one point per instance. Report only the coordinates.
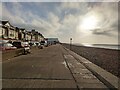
(17, 44)
(24, 45)
(44, 43)
(7, 46)
(40, 46)
(37, 43)
(32, 43)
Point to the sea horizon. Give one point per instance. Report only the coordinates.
(107, 46)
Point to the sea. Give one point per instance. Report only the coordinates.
(107, 46)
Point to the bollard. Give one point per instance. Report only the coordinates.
(70, 43)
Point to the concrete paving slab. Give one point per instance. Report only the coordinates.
(84, 78)
(46, 64)
(92, 86)
(51, 67)
(38, 67)
(21, 83)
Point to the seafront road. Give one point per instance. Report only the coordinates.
(51, 67)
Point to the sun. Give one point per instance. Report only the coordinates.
(89, 23)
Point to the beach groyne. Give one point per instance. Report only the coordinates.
(107, 59)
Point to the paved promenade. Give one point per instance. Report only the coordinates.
(51, 67)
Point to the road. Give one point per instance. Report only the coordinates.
(51, 67)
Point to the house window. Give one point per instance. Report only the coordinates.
(6, 32)
(11, 34)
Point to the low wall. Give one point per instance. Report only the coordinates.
(33, 48)
(11, 53)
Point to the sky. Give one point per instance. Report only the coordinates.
(84, 22)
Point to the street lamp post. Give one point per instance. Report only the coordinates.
(70, 43)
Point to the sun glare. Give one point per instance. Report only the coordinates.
(89, 23)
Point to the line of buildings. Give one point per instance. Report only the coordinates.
(10, 32)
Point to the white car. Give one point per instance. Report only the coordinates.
(26, 47)
(6, 46)
(46, 44)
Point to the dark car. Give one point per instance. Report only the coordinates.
(24, 45)
(44, 43)
(17, 44)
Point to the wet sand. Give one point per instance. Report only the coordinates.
(105, 58)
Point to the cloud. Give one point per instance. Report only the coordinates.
(13, 17)
(105, 12)
(107, 15)
(29, 20)
(62, 20)
(59, 0)
(70, 5)
(105, 32)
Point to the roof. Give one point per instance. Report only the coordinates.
(4, 22)
(22, 29)
(17, 29)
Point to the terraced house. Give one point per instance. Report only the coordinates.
(28, 35)
(0, 30)
(9, 32)
(36, 36)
